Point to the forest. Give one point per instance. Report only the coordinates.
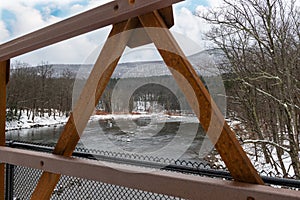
(37, 91)
(259, 43)
(41, 91)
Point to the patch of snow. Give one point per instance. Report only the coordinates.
(256, 155)
(156, 116)
(266, 168)
(25, 122)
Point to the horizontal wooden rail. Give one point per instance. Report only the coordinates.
(162, 182)
(110, 13)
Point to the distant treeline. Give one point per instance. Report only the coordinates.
(150, 94)
(37, 92)
(40, 91)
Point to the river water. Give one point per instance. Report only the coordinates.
(149, 136)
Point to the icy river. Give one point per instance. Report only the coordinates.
(168, 137)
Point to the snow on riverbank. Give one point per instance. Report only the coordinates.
(255, 157)
(25, 122)
(160, 117)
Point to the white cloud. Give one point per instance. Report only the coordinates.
(4, 33)
(72, 51)
(191, 26)
(59, 3)
(215, 3)
(29, 17)
(34, 20)
(77, 8)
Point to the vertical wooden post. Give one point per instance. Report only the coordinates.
(4, 75)
(200, 100)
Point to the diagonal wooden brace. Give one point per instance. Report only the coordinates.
(91, 93)
(201, 102)
(199, 99)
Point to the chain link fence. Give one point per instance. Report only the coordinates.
(21, 181)
(72, 188)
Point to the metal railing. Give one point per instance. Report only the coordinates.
(20, 181)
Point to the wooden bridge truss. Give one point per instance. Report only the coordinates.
(126, 15)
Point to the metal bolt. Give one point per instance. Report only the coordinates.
(131, 1)
(116, 7)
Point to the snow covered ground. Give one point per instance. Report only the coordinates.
(266, 168)
(161, 117)
(258, 162)
(26, 122)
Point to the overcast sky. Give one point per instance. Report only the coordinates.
(18, 17)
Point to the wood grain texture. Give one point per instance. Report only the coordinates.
(201, 102)
(4, 77)
(140, 37)
(89, 98)
(186, 186)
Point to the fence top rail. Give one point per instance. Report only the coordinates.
(183, 166)
(104, 15)
(157, 181)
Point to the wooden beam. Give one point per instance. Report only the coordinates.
(4, 74)
(156, 181)
(110, 13)
(140, 37)
(4, 77)
(201, 102)
(89, 98)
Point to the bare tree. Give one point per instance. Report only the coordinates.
(260, 41)
(44, 72)
(38, 91)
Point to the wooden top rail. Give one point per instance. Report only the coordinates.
(104, 15)
(157, 181)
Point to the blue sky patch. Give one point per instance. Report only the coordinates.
(50, 9)
(56, 11)
(80, 2)
(192, 4)
(8, 18)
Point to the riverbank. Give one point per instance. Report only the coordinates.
(254, 154)
(26, 122)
